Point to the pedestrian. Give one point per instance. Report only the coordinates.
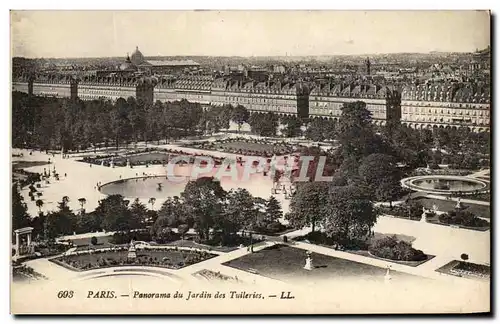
(65, 175)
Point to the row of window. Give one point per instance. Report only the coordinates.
(476, 121)
(445, 111)
(445, 103)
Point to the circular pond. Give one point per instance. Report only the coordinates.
(145, 187)
(446, 185)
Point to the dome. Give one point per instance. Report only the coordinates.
(128, 65)
(137, 58)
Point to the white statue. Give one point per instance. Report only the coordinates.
(388, 276)
(309, 262)
(424, 215)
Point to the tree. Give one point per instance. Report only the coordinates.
(320, 129)
(306, 207)
(152, 201)
(414, 209)
(381, 176)
(172, 212)
(355, 131)
(203, 202)
(82, 201)
(239, 212)
(138, 211)
(39, 204)
(263, 124)
(182, 230)
(115, 214)
(65, 200)
(273, 210)
(20, 217)
(293, 126)
(349, 214)
(240, 115)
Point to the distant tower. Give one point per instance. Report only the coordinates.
(31, 80)
(74, 89)
(368, 65)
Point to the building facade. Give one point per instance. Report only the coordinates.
(446, 105)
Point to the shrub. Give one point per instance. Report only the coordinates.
(462, 217)
(93, 240)
(392, 248)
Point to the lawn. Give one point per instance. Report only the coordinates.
(27, 164)
(260, 147)
(364, 252)
(286, 263)
(447, 205)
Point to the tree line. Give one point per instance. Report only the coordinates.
(204, 205)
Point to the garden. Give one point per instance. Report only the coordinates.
(286, 263)
(396, 248)
(463, 218)
(466, 269)
(171, 258)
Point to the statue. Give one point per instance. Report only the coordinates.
(128, 163)
(388, 276)
(309, 261)
(424, 215)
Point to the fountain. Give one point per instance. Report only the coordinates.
(446, 185)
(131, 251)
(459, 204)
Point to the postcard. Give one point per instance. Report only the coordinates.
(250, 162)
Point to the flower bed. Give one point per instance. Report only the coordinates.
(393, 249)
(462, 218)
(244, 146)
(211, 275)
(171, 258)
(466, 270)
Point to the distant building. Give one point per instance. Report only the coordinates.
(446, 105)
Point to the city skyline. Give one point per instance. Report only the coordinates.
(87, 34)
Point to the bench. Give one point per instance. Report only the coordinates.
(251, 270)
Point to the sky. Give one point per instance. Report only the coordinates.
(245, 33)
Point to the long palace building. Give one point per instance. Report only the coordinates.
(418, 106)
